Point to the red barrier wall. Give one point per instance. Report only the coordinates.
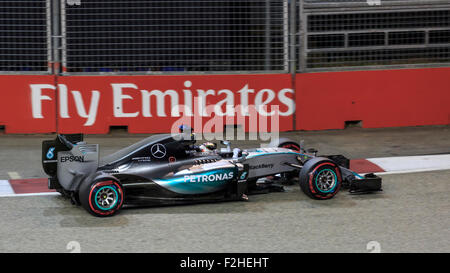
(17, 113)
(386, 98)
(91, 104)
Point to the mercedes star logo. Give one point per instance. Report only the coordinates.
(158, 150)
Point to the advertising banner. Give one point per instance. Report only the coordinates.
(155, 104)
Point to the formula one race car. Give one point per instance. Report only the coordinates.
(171, 169)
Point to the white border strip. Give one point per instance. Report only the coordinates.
(31, 194)
(411, 171)
(403, 164)
(5, 188)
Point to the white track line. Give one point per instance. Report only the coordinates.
(5, 188)
(409, 164)
(410, 171)
(14, 175)
(31, 194)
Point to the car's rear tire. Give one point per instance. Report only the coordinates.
(102, 197)
(320, 178)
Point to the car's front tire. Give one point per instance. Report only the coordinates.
(320, 178)
(285, 143)
(102, 197)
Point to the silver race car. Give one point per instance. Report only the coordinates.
(171, 169)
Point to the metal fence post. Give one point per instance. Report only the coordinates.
(56, 35)
(302, 37)
(293, 51)
(292, 36)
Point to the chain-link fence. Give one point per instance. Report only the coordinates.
(221, 36)
(175, 36)
(353, 34)
(24, 36)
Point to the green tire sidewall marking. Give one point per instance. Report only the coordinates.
(335, 179)
(115, 201)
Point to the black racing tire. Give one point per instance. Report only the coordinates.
(320, 178)
(285, 143)
(102, 197)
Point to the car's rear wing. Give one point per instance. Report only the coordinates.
(50, 149)
(68, 160)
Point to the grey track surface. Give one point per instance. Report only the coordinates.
(411, 215)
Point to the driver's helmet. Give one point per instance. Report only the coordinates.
(210, 145)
